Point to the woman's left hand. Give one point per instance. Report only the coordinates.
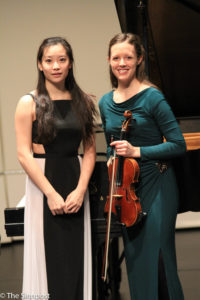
(73, 202)
(124, 148)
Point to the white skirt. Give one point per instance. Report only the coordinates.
(35, 284)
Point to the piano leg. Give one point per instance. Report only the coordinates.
(109, 289)
(114, 271)
(103, 289)
(100, 288)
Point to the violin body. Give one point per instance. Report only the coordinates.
(125, 204)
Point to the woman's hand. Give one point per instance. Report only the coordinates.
(74, 201)
(56, 203)
(124, 148)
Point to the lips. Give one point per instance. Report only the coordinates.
(122, 71)
(57, 74)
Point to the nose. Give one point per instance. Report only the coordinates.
(122, 62)
(55, 65)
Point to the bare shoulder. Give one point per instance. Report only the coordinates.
(26, 105)
(27, 99)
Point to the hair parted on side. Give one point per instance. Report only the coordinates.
(132, 39)
(82, 103)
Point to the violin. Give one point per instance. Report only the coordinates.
(122, 200)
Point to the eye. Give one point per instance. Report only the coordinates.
(62, 59)
(115, 58)
(48, 60)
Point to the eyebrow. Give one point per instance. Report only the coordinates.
(63, 55)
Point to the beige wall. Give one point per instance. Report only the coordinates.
(87, 24)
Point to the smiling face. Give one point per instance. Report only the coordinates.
(123, 62)
(55, 64)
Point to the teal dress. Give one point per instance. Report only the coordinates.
(150, 245)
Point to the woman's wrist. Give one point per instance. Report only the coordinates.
(82, 189)
(49, 192)
(136, 152)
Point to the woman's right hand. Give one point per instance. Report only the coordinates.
(56, 203)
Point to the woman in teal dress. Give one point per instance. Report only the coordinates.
(150, 245)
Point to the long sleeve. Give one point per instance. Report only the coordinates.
(175, 143)
(153, 121)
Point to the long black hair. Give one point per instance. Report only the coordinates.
(82, 103)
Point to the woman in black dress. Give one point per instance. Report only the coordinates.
(51, 122)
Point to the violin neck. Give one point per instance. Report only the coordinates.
(119, 175)
(123, 135)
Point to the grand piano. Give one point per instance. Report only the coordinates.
(171, 36)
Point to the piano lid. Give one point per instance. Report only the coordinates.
(171, 35)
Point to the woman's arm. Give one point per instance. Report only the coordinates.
(24, 116)
(75, 198)
(174, 146)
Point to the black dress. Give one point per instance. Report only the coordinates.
(54, 262)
